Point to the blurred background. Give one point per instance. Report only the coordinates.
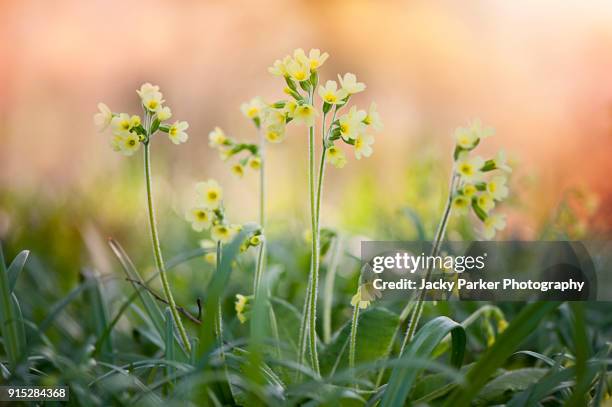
(539, 72)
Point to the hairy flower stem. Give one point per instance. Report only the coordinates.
(159, 261)
(435, 250)
(353, 342)
(218, 316)
(261, 255)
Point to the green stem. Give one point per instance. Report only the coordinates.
(218, 316)
(329, 288)
(302, 342)
(416, 314)
(353, 342)
(261, 255)
(159, 261)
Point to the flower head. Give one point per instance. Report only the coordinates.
(469, 167)
(254, 162)
(298, 70)
(210, 194)
(461, 204)
(121, 124)
(363, 145)
(350, 85)
(492, 224)
(164, 113)
(275, 133)
(217, 137)
(497, 188)
(224, 233)
(486, 202)
(103, 118)
(147, 88)
(152, 100)
(252, 109)
(199, 217)
(331, 94)
(240, 306)
(351, 124)
(316, 58)
(500, 161)
(336, 157)
(373, 118)
(365, 294)
(177, 133)
(238, 170)
(305, 113)
(129, 144)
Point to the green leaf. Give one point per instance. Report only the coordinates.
(99, 315)
(422, 345)
(503, 386)
(505, 345)
(169, 341)
(11, 325)
(376, 329)
(15, 268)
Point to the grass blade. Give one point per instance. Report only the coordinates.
(15, 268)
(505, 345)
(9, 320)
(422, 345)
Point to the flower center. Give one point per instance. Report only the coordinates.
(212, 195)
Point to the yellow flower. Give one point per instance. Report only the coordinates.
(240, 306)
(121, 124)
(103, 118)
(365, 294)
(238, 170)
(298, 70)
(199, 217)
(130, 144)
(486, 202)
(152, 101)
(164, 113)
(501, 162)
(177, 134)
(209, 193)
(461, 204)
(211, 258)
(350, 85)
(331, 94)
(256, 240)
(211, 255)
(224, 233)
(502, 324)
(373, 118)
(147, 88)
(351, 124)
(116, 142)
(134, 121)
(465, 138)
(363, 146)
(479, 131)
(289, 108)
(469, 167)
(316, 58)
(336, 157)
(280, 67)
(272, 117)
(217, 137)
(497, 187)
(492, 224)
(305, 114)
(252, 108)
(275, 133)
(254, 162)
(468, 190)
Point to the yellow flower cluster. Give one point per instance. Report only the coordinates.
(475, 190)
(229, 147)
(130, 131)
(242, 306)
(208, 214)
(301, 76)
